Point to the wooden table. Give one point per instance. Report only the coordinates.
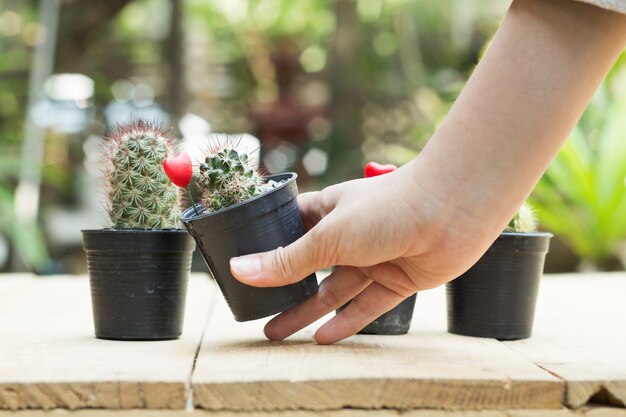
(49, 359)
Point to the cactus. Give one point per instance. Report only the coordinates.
(524, 221)
(140, 195)
(226, 178)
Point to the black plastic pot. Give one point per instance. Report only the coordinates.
(138, 282)
(496, 297)
(396, 321)
(260, 224)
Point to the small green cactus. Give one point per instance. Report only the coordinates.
(140, 195)
(524, 221)
(226, 178)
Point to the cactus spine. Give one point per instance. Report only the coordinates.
(524, 221)
(226, 178)
(140, 195)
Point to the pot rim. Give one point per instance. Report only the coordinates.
(185, 218)
(107, 230)
(527, 234)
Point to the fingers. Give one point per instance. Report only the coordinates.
(310, 209)
(282, 266)
(366, 307)
(337, 289)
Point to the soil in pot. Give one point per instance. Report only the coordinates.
(138, 282)
(263, 223)
(496, 297)
(396, 321)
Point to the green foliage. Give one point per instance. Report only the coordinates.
(26, 238)
(407, 62)
(226, 178)
(140, 194)
(582, 196)
(524, 221)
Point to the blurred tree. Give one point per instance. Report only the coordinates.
(346, 156)
(173, 48)
(392, 68)
(82, 23)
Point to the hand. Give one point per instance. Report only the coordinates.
(391, 232)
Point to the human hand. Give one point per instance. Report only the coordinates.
(396, 237)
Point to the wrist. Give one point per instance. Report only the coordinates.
(457, 205)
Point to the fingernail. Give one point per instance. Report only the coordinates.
(246, 266)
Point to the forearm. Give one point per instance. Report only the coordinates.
(516, 110)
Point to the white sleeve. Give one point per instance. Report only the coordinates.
(615, 5)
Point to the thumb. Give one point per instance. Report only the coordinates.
(286, 265)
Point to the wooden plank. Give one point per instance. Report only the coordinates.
(580, 336)
(603, 412)
(49, 357)
(237, 369)
(595, 412)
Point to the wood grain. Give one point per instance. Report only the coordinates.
(580, 336)
(579, 333)
(237, 369)
(49, 357)
(595, 412)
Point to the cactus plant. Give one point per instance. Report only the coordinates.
(140, 195)
(239, 213)
(226, 178)
(524, 221)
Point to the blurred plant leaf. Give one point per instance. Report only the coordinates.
(27, 239)
(9, 167)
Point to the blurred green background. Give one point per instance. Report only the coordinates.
(325, 86)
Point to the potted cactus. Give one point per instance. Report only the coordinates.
(139, 266)
(496, 297)
(396, 321)
(239, 212)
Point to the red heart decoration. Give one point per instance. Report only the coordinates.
(179, 169)
(373, 169)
